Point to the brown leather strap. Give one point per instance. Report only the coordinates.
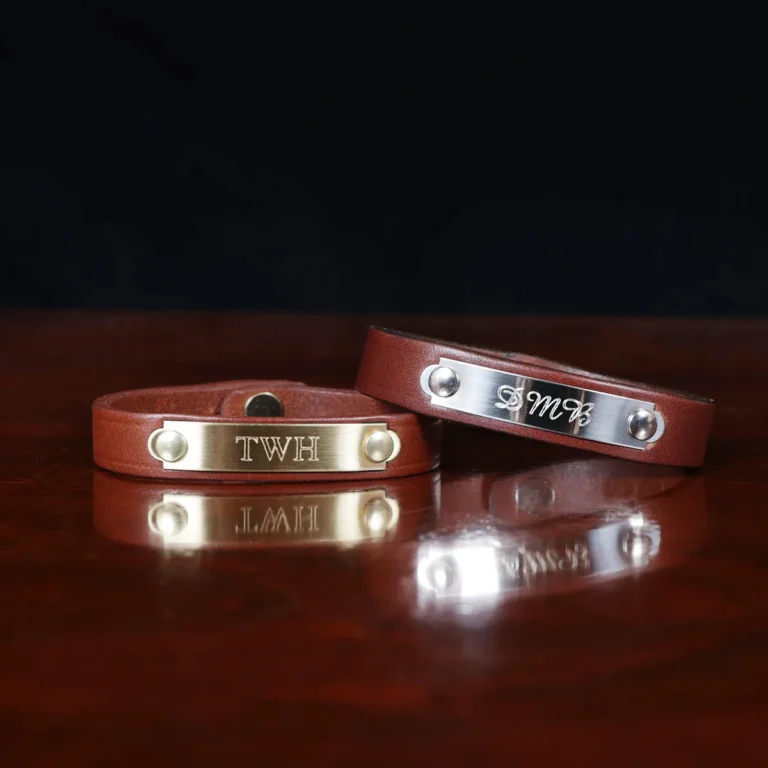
(236, 516)
(393, 369)
(124, 422)
(542, 531)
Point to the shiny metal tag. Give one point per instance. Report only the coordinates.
(214, 447)
(491, 566)
(195, 520)
(542, 404)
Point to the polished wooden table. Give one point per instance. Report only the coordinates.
(529, 605)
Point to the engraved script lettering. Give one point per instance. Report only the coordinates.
(525, 562)
(511, 399)
(306, 447)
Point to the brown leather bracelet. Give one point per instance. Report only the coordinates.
(536, 398)
(533, 533)
(238, 516)
(275, 431)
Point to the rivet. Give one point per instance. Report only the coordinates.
(443, 574)
(168, 519)
(377, 515)
(379, 446)
(444, 381)
(167, 445)
(637, 546)
(642, 424)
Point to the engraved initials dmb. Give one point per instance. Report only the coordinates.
(511, 398)
(525, 562)
(304, 448)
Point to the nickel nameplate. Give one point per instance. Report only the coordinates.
(541, 404)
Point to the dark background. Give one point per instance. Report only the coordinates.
(160, 156)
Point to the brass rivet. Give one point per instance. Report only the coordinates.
(379, 446)
(377, 516)
(167, 445)
(642, 424)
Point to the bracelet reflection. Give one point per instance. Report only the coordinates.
(237, 516)
(555, 528)
(451, 541)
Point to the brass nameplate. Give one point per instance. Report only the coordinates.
(192, 520)
(216, 447)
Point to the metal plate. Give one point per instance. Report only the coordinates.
(192, 519)
(216, 447)
(491, 566)
(542, 404)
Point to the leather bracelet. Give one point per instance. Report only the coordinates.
(270, 431)
(545, 530)
(556, 494)
(237, 516)
(536, 398)
(613, 535)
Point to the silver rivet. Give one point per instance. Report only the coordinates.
(168, 519)
(637, 546)
(379, 446)
(444, 381)
(167, 445)
(377, 515)
(642, 424)
(443, 574)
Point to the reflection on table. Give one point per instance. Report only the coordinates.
(555, 528)
(456, 541)
(222, 515)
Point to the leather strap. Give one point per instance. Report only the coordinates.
(548, 530)
(395, 367)
(243, 516)
(125, 424)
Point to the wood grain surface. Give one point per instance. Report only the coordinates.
(531, 606)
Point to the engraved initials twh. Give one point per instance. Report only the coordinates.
(240, 447)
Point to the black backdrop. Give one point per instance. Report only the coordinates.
(162, 156)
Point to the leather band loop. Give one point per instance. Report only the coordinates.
(202, 433)
(532, 397)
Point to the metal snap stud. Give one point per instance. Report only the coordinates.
(264, 405)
